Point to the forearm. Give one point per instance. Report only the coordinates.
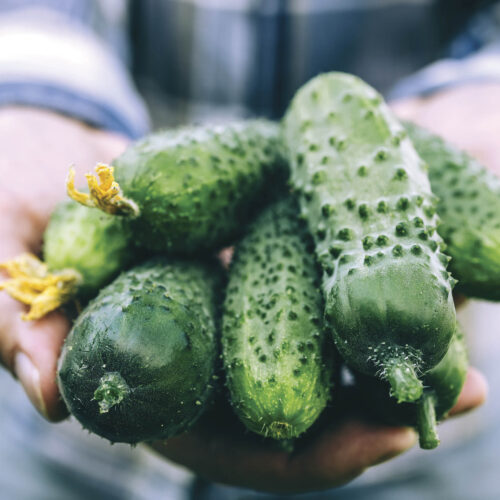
(53, 56)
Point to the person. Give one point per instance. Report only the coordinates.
(67, 98)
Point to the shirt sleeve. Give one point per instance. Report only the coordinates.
(474, 56)
(51, 57)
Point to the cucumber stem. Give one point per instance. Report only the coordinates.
(280, 430)
(405, 385)
(287, 445)
(111, 391)
(426, 421)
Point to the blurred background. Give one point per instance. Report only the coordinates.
(130, 66)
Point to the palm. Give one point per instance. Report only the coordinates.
(335, 452)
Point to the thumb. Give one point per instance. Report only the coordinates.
(29, 349)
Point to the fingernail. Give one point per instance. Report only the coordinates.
(412, 437)
(408, 439)
(29, 377)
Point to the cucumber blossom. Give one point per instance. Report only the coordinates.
(366, 197)
(469, 208)
(443, 385)
(192, 188)
(139, 363)
(278, 370)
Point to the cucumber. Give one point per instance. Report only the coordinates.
(469, 208)
(96, 245)
(139, 363)
(443, 385)
(275, 355)
(366, 197)
(83, 250)
(190, 190)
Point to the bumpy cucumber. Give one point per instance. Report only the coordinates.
(443, 384)
(95, 244)
(366, 196)
(278, 371)
(195, 187)
(139, 362)
(469, 208)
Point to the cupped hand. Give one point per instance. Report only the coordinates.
(37, 149)
(220, 451)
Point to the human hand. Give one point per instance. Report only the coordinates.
(466, 115)
(218, 449)
(37, 148)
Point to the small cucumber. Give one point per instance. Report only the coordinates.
(469, 208)
(190, 190)
(274, 345)
(139, 363)
(83, 250)
(367, 200)
(95, 244)
(443, 385)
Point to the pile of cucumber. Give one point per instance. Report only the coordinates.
(344, 264)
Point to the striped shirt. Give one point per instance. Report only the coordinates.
(199, 60)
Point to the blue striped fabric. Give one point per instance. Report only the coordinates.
(198, 60)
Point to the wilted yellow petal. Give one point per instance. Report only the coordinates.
(32, 284)
(104, 192)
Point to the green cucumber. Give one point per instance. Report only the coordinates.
(139, 363)
(83, 250)
(195, 187)
(469, 208)
(96, 245)
(443, 385)
(277, 367)
(366, 197)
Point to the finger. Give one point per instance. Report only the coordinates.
(407, 109)
(346, 452)
(35, 363)
(334, 458)
(30, 349)
(474, 393)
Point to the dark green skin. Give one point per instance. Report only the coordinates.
(469, 208)
(278, 366)
(366, 197)
(95, 244)
(197, 186)
(139, 363)
(443, 385)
